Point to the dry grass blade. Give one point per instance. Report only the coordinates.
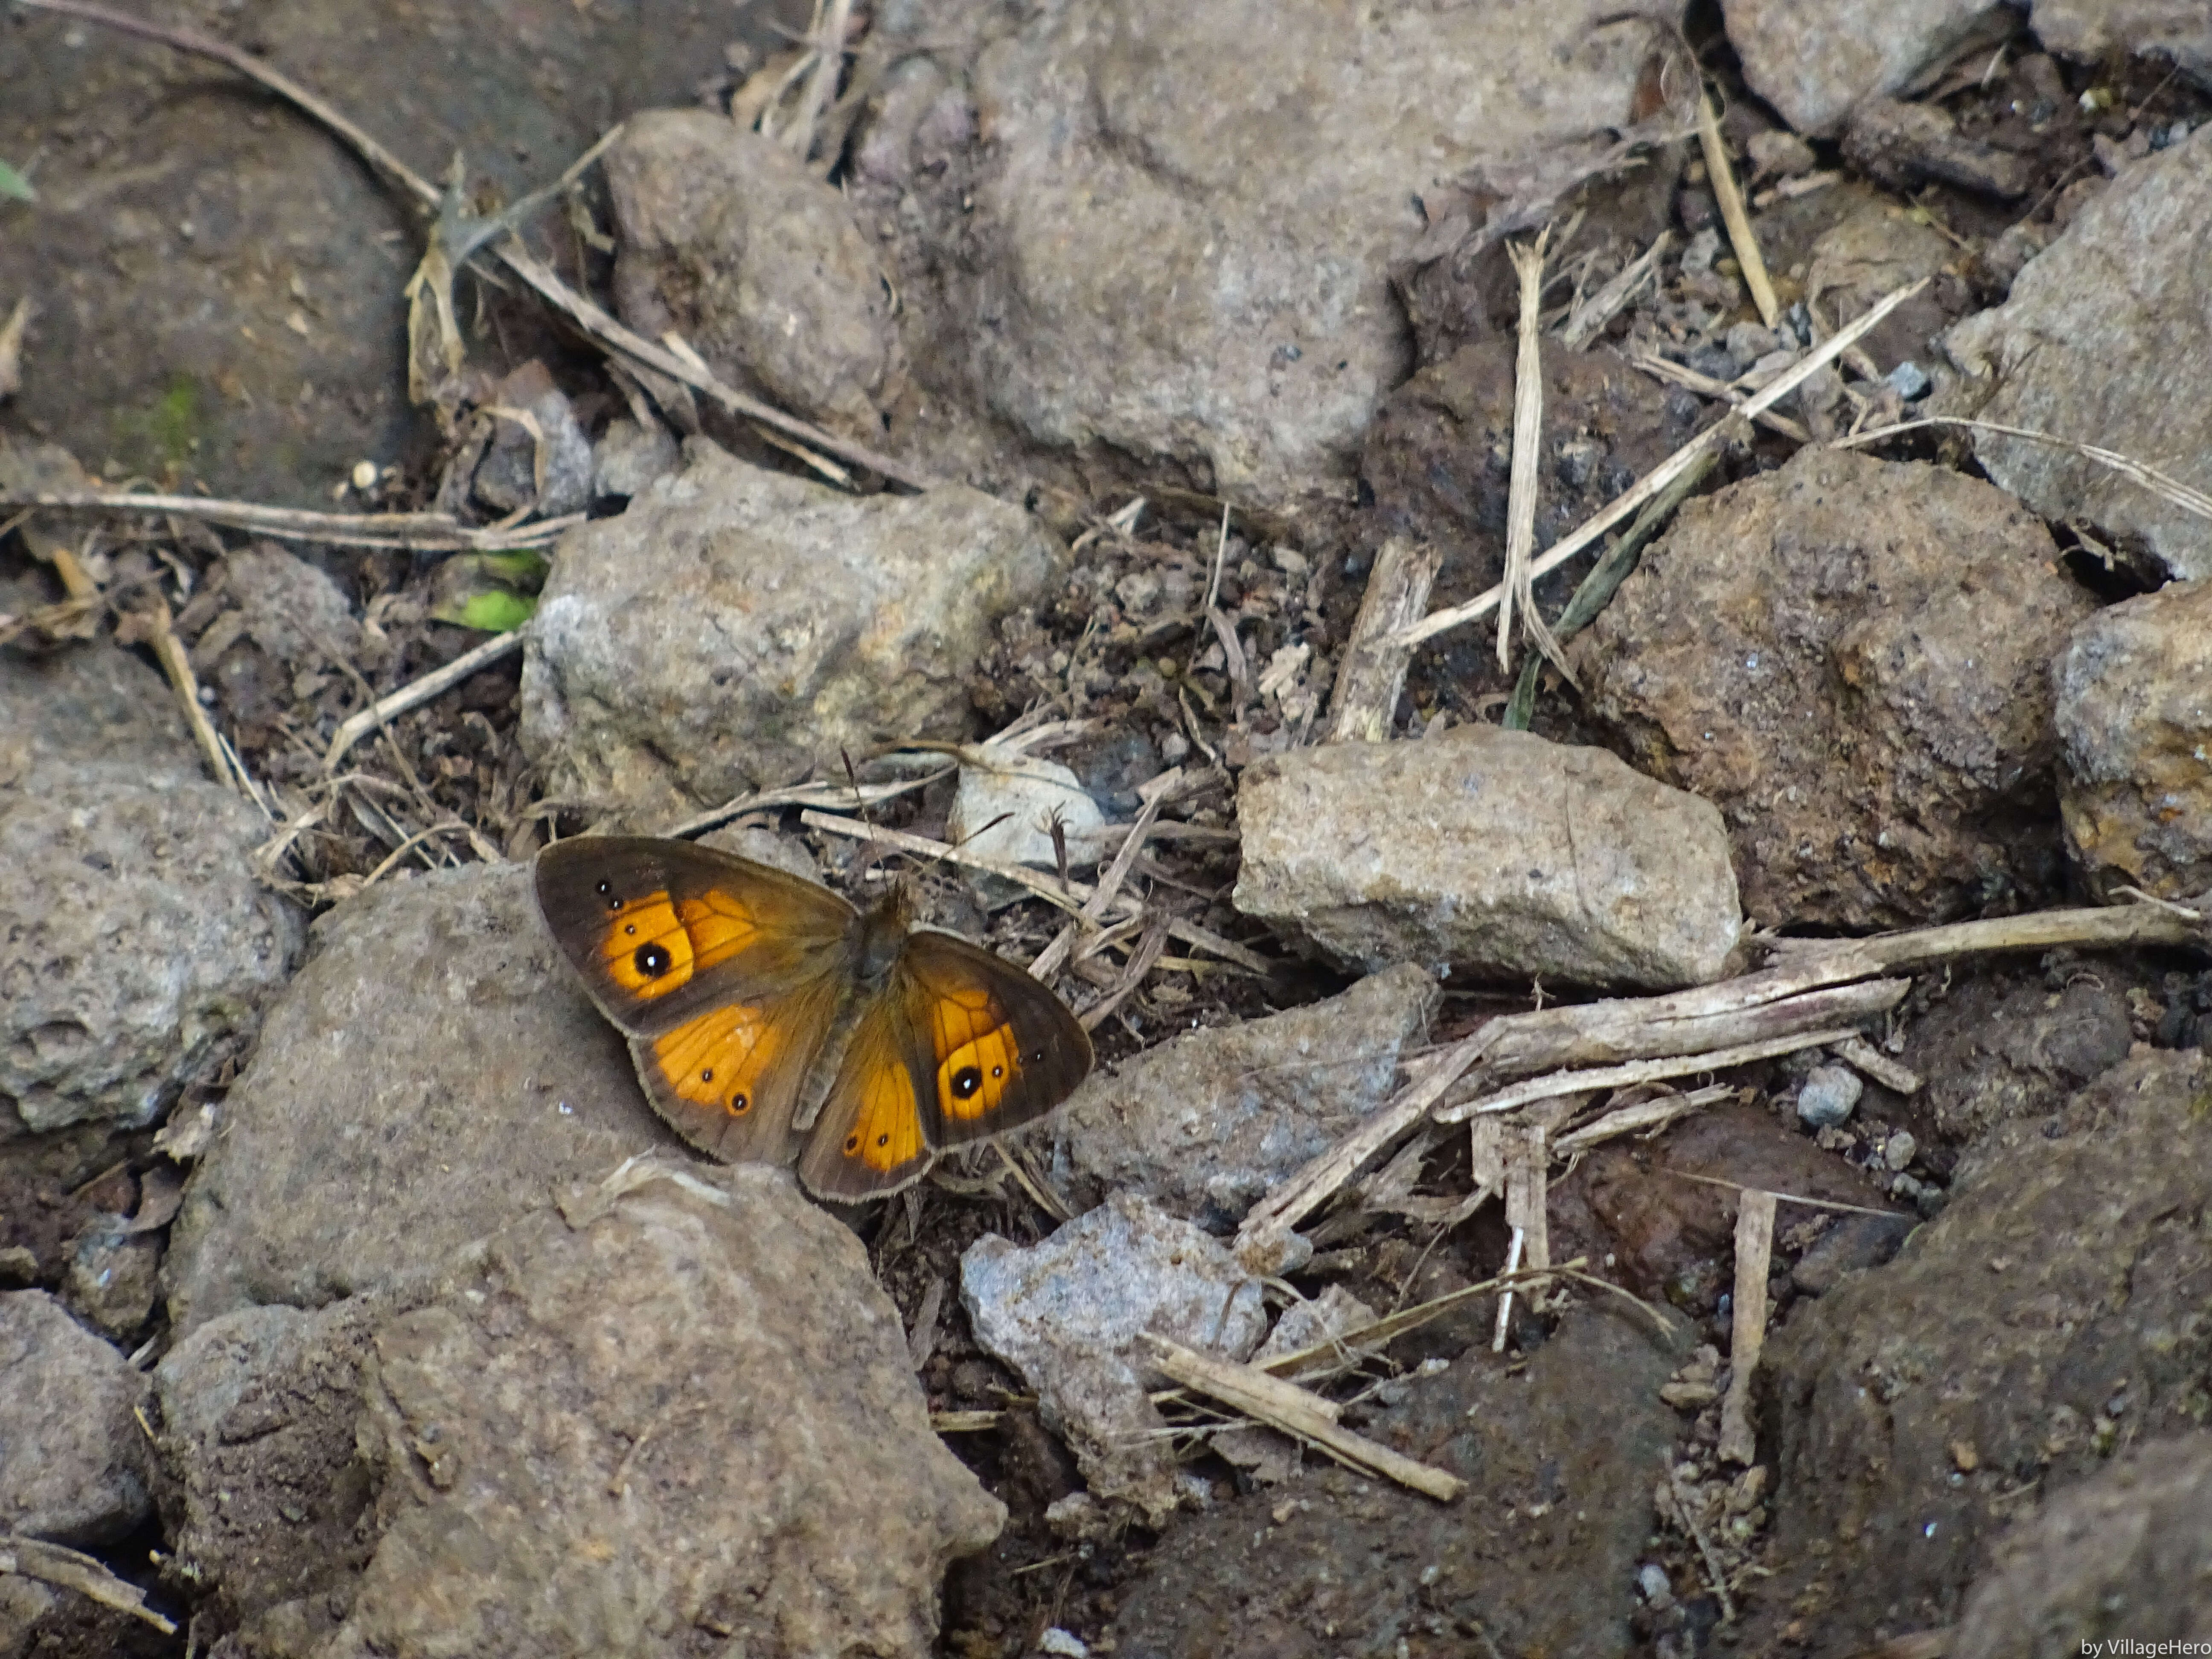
(1528, 444)
(1663, 368)
(1835, 1204)
(11, 346)
(1054, 956)
(1045, 887)
(418, 532)
(435, 683)
(1632, 1120)
(1754, 1257)
(2187, 497)
(49, 1564)
(1372, 673)
(1603, 306)
(1641, 1071)
(1142, 961)
(1266, 1231)
(1656, 481)
(169, 651)
(1513, 1249)
(1297, 1411)
(1732, 214)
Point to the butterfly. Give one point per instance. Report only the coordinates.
(734, 983)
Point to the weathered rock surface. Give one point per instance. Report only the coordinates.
(2127, 1553)
(1903, 147)
(2135, 718)
(1120, 228)
(1849, 657)
(2055, 1308)
(548, 471)
(1560, 1451)
(730, 240)
(2096, 31)
(136, 946)
(1204, 1123)
(1066, 1313)
(268, 367)
(430, 1072)
(2104, 341)
(1812, 61)
(264, 1495)
(72, 1460)
(678, 1410)
(737, 628)
(1493, 850)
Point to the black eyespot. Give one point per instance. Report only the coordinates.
(966, 1081)
(614, 904)
(740, 1103)
(1036, 1057)
(853, 1142)
(651, 960)
(605, 886)
(706, 1076)
(883, 1140)
(998, 1071)
(631, 929)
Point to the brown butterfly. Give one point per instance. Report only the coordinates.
(733, 979)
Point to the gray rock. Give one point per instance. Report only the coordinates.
(1903, 147)
(2104, 341)
(1065, 1313)
(2053, 1310)
(266, 373)
(737, 628)
(1493, 850)
(1204, 1123)
(629, 457)
(1005, 814)
(112, 1278)
(1871, 251)
(2097, 31)
(2128, 1549)
(680, 1403)
(1149, 245)
(72, 1457)
(507, 478)
(732, 240)
(291, 610)
(2134, 719)
(687, 1407)
(265, 1497)
(1813, 59)
(432, 1068)
(1828, 1095)
(1850, 658)
(1852, 1244)
(136, 946)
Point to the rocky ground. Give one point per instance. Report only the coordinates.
(1806, 995)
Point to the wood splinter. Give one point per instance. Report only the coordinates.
(1299, 1412)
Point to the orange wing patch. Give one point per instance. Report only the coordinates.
(653, 947)
(717, 1060)
(886, 1130)
(978, 1056)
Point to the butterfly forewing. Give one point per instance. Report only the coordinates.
(1002, 1051)
(663, 930)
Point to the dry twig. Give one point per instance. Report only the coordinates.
(1371, 672)
(49, 1564)
(1732, 214)
(1754, 1256)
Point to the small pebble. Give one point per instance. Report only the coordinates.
(1828, 1095)
(364, 475)
(1896, 1151)
(1651, 1579)
(1058, 1641)
(1909, 380)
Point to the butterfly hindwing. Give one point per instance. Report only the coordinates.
(869, 1138)
(663, 932)
(730, 1080)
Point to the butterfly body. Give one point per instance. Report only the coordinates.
(770, 1019)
